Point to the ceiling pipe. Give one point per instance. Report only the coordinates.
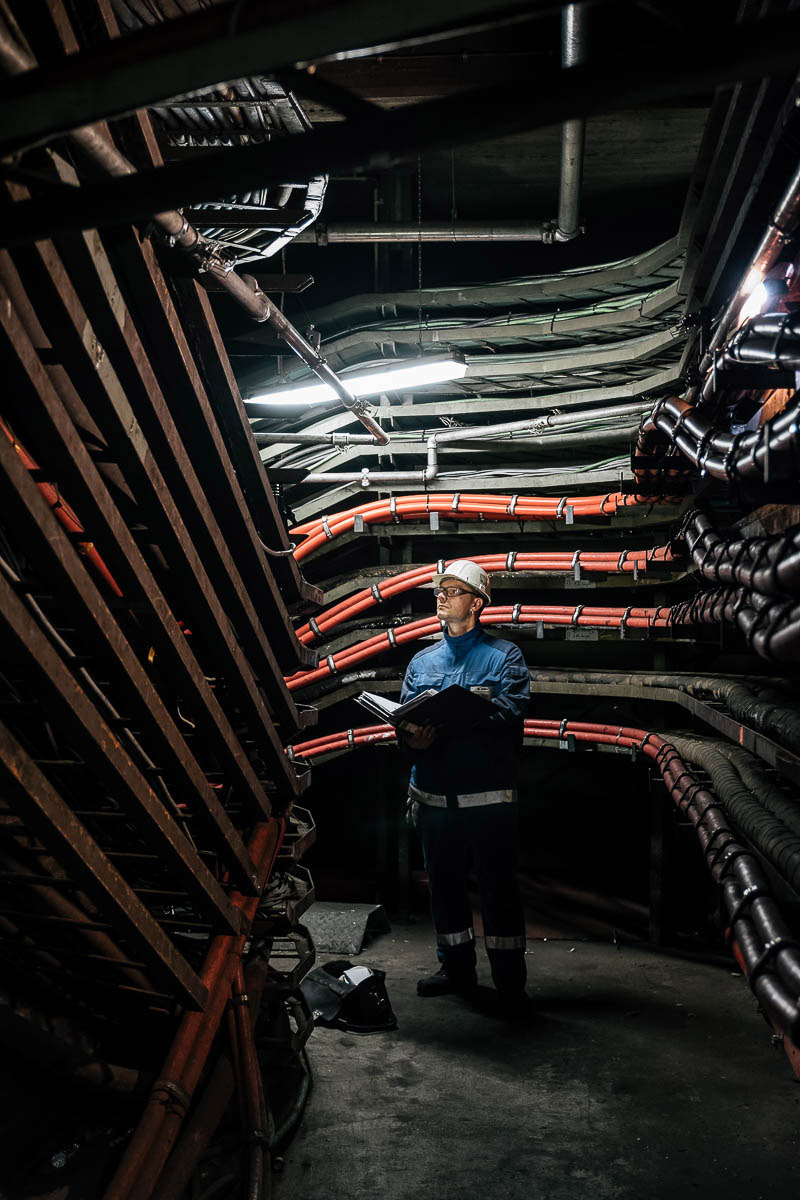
(432, 231)
(531, 425)
(574, 20)
(97, 146)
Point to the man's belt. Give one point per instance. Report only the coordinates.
(464, 799)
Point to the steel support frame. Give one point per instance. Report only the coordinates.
(659, 72)
(107, 757)
(37, 800)
(49, 550)
(63, 453)
(110, 399)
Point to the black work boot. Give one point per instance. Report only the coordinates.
(442, 984)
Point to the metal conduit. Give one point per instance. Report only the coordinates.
(574, 21)
(573, 133)
(432, 231)
(244, 289)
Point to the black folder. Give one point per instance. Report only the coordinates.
(454, 705)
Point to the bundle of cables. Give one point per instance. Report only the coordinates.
(760, 592)
(762, 941)
(463, 505)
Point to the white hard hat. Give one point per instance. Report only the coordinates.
(469, 573)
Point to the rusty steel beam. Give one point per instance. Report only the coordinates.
(224, 41)
(38, 802)
(230, 412)
(61, 449)
(107, 399)
(660, 72)
(148, 445)
(106, 756)
(49, 549)
(187, 400)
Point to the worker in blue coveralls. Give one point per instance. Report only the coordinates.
(462, 790)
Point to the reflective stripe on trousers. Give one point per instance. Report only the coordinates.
(515, 942)
(455, 939)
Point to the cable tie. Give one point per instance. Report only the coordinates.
(729, 461)
(314, 627)
(331, 664)
(512, 506)
(773, 947)
(576, 565)
(376, 593)
(751, 893)
(779, 334)
(454, 505)
(718, 853)
(739, 852)
(623, 621)
(327, 528)
(351, 741)
(511, 558)
(560, 508)
(515, 613)
(392, 638)
(578, 610)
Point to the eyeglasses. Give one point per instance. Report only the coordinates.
(451, 592)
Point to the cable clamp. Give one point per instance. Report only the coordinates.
(392, 638)
(516, 610)
(290, 754)
(578, 610)
(512, 506)
(314, 627)
(327, 528)
(622, 559)
(331, 664)
(576, 565)
(454, 505)
(624, 620)
(511, 558)
(174, 1091)
(393, 509)
(560, 508)
(562, 729)
(351, 740)
(375, 592)
(603, 503)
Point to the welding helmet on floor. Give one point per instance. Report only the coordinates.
(342, 996)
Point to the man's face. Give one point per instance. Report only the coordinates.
(454, 608)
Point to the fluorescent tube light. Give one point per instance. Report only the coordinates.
(402, 377)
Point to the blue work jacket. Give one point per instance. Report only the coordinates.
(485, 755)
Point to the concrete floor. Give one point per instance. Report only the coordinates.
(639, 1076)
